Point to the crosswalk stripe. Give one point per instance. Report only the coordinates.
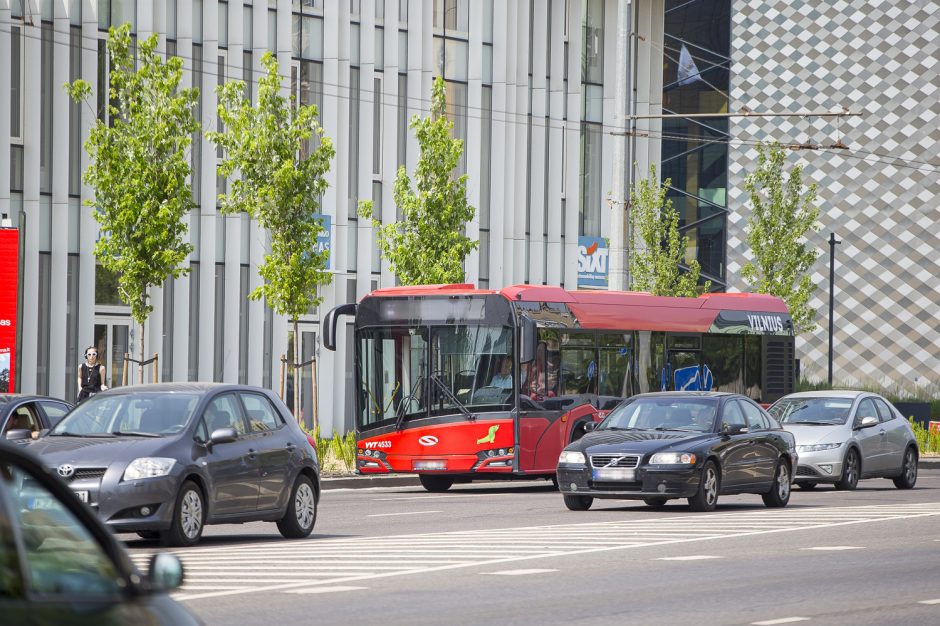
(301, 566)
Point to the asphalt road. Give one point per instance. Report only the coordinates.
(512, 554)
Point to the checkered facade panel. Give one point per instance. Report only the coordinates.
(881, 197)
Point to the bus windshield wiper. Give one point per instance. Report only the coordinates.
(400, 414)
(450, 395)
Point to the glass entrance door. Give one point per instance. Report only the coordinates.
(112, 338)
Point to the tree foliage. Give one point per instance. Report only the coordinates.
(279, 183)
(657, 248)
(782, 211)
(428, 245)
(139, 168)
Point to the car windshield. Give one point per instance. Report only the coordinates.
(812, 410)
(130, 414)
(663, 413)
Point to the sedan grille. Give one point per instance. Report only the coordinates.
(614, 460)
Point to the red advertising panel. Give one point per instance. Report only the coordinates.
(9, 263)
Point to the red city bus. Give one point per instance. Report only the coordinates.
(456, 383)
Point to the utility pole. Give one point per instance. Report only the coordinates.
(832, 277)
(618, 274)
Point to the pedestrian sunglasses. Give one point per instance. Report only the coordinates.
(91, 354)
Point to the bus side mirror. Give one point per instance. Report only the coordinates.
(329, 324)
(527, 340)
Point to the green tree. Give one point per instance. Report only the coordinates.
(428, 245)
(139, 168)
(278, 181)
(782, 211)
(657, 248)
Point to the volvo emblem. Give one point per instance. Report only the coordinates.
(66, 471)
(428, 440)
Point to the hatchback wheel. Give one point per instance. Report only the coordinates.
(779, 493)
(301, 514)
(706, 498)
(850, 470)
(908, 477)
(579, 503)
(189, 516)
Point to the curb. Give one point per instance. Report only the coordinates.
(364, 482)
(411, 480)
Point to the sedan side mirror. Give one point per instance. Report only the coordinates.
(166, 570)
(868, 422)
(733, 429)
(19, 434)
(223, 435)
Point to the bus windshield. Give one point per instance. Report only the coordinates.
(410, 372)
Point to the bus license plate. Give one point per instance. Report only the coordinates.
(82, 495)
(615, 474)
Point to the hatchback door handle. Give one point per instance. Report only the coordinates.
(251, 453)
(290, 446)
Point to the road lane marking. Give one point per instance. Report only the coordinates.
(935, 601)
(396, 514)
(325, 589)
(519, 572)
(834, 548)
(782, 620)
(428, 553)
(694, 557)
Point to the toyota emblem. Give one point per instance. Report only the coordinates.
(66, 471)
(428, 440)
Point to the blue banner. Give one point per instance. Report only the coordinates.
(323, 241)
(592, 262)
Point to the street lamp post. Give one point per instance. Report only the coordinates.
(832, 277)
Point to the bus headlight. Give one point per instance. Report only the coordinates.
(571, 457)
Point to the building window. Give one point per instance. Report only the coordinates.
(219, 360)
(197, 21)
(243, 283)
(169, 304)
(16, 84)
(402, 120)
(272, 31)
(696, 79)
(485, 160)
(221, 186)
(171, 23)
(592, 57)
(223, 24)
(354, 94)
(45, 125)
(71, 324)
(247, 27)
(193, 320)
(377, 212)
(377, 126)
(42, 347)
(75, 114)
(452, 15)
(196, 152)
(591, 163)
(106, 287)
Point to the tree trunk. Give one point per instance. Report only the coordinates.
(140, 356)
(298, 413)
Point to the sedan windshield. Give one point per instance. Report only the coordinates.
(812, 410)
(663, 413)
(132, 414)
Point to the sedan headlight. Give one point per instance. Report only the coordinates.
(672, 458)
(148, 467)
(819, 447)
(571, 457)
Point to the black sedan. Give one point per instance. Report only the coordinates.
(165, 460)
(657, 447)
(60, 565)
(23, 417)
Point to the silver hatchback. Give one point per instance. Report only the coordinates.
(843, 436)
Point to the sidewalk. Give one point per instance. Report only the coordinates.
(354, 481)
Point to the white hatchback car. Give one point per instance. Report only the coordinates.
(842, 436)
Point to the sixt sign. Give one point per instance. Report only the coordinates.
(323, 240)
(592, 262)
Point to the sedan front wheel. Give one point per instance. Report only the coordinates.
(706, 498)
(850, 472)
